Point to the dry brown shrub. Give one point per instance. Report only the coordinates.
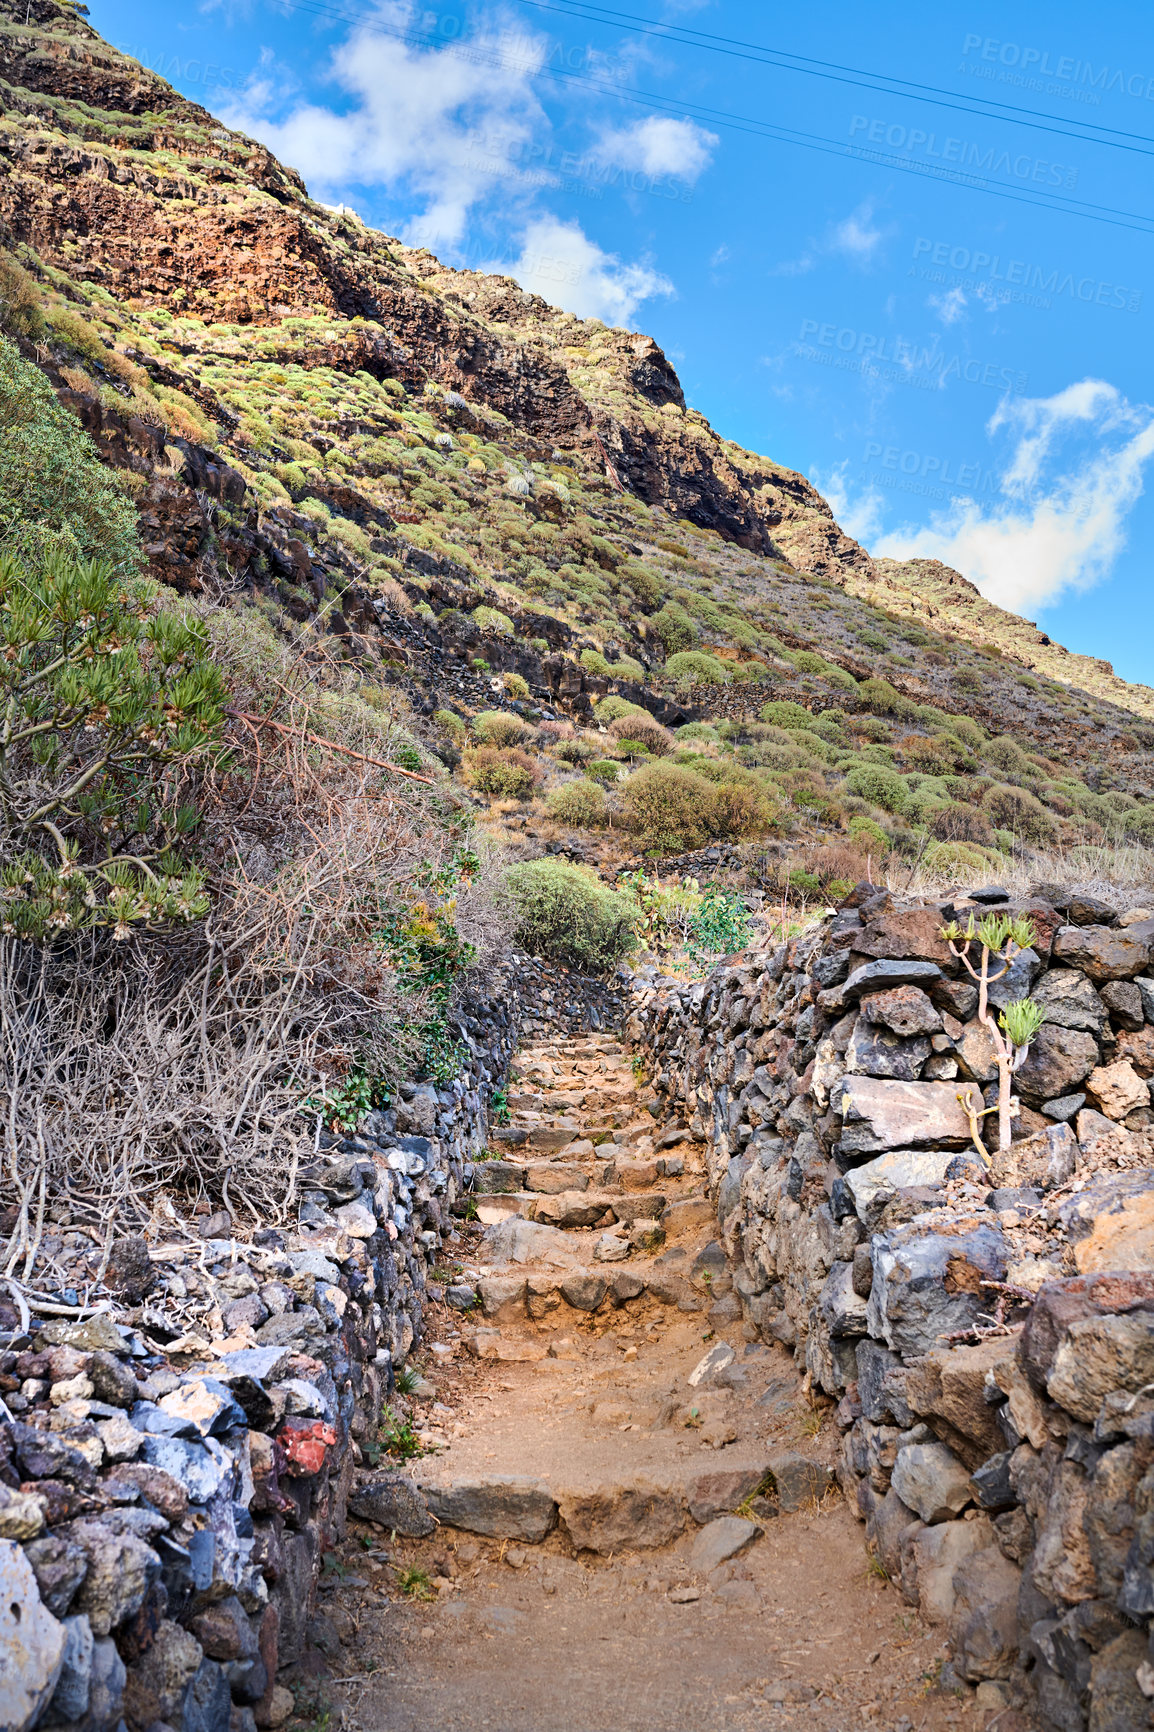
(179, 1063)
(646, 730)
(959, 822)
(838, 862)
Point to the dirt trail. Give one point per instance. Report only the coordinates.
(704, 1571)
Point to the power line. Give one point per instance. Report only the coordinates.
(1013, 113)
(1137, 221)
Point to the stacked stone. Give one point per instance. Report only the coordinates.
(163, 1514)
(985, 1323)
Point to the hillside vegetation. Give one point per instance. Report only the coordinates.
(430, 527)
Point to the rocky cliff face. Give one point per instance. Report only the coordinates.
(117, 182)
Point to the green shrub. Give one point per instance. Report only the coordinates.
(963, 860)
(580, 803)
(697, 666)
(503, 775)
(674, 627)
(594, 663)
(55, 494)
(500, 728)
(882, 786)
(869, 835)
(1139, 825)
(515, 686)
(450, 724)
(611, 707)
(783, 714)
(668, 807)
(872, 727)
(575, 751)
(1006, 755)
(807, 662)
(1018, 812)
(112, 714)
(883, 699)
(492, 619)
(567, 913)
(604, 770)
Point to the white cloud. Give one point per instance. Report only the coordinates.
(859, 516)
(857, 237)
(660, 146)
(950, 307)
(1076, 469)
(559, 262)
(439, 125)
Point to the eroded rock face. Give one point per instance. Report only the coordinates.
(1059, 1059)
(32, 1643)
(927, 1281)
(1104, 952)
(879, 1114)
(609, 1518)
(504, 1507)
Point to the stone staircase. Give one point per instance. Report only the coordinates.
(597, 1271)
(580, 1152)
(607, 1449)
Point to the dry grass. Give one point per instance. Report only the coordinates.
(1120, 875)
(180, 1062)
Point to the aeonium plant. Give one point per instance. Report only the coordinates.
(999, 939)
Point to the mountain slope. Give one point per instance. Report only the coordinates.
(434, 478)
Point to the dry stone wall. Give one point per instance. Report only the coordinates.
(985, 1325)
(174, 1467)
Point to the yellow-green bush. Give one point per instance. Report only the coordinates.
(581, 803)
(1019, 812)
(503, 775)
(500, 728)
(697, 666)
(878, 784)
(566, 912)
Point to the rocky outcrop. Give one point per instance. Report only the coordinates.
(984, 1323)
(109, 177)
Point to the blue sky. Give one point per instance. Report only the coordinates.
(907, 251)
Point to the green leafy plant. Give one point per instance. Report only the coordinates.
(398, 1437)
(406, 1380)
(112, 712)
(1001, 937)
(415, 1583)
(56, 497)
(499, 1106)
(719, 925)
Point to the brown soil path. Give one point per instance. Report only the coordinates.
(619, 1620)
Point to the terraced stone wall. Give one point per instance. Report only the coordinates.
(174, 1467)
(983, 1325)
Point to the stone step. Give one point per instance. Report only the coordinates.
(572, 1208)
(634, 1512)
